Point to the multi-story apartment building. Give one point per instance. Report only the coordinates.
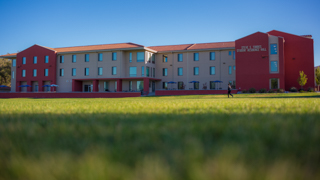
(261, 60)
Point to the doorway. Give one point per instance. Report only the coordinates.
(87, 88)
(153, 86)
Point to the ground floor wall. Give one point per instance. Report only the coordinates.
(69, 95)
(191, 92)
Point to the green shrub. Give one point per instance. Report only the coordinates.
(252, 90)
(244, 91)
(310, 89)
(293, 89)
(301, 90)
(271, 91)
(280, 90)
(263, 90)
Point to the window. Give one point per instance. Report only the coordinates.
(74, 71)
(165, 58)
(180, 85)
(115, 86)
(230, 53)
(99, 71)
(153, 58)
(274, 66)
(100, 57)
(196, 85)
(273, 49)
(23, 73)
(61, 59)
(142, 71)
(196, 71)
(164, 85)
(24, 60)
(180, 57)
(133, 71)
(234, 67)
(180, 71)
(130, 57)
(147, 72)
(61, 72)
(34, 73)
(139, 85)
(46, 72)
(196, 56)
(140, 56)
(130, 85)
(234, 55)
(86, 71)
(212, 85)
(12, 75)
(14, 63)
(46, 59)
(274, 83)
(114, 56)
(234, 84)
(165, 72)
(230, 69)
(212, 56)
(34, 59)
(86, 58)
(154, 72)
(106, 86)
(114, 70)
(74, 58)
(212, 70)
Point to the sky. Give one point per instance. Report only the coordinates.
(63, 23)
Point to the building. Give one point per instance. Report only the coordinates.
(261, 60)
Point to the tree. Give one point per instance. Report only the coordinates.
(5, 72)
(302, 80)
(318, 77)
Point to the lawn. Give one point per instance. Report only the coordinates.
(250, 136)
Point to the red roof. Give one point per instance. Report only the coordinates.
(194, 46)
(7, 55)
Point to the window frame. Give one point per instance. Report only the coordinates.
(196, 71)
(214, 68)
(61, 59)
(61, 72)
(180, 57)
(46, 72)
(85, 71)
(133, 75)
(140, 60)
(272, 50)
(230, 70)
(35, 60)
(100, 57)
(23, 73)
(74, 58)
(114, 70)
(86, 57)
(34, 73)
(212, 56)
(164, 71)
(196, 56)
(73, 71)
(164, 58)
(24, 60)
(277, 66)
(179, 71)
(100, 71)
(46, 59)
(114, 56)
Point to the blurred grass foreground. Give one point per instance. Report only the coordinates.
(269, 136)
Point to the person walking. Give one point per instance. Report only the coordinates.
(229, 90)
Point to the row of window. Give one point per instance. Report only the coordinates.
(196, 70)
(212, 85)
(35, 60)
(34, 73)
(212, 56)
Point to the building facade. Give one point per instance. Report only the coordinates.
(261, 60)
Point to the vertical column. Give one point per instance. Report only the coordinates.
(146, 85)
(40, 84)
(119, 85)
(18, 83)
(95, 84)
(76, 85)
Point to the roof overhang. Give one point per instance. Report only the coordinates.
(199, 50)
(101, 50)
(9, 57)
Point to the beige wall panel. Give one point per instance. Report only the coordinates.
(13, 78)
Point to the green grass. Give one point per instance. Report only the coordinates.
(260, 136)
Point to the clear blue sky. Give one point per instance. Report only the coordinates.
(61, 23)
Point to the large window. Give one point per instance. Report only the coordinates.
(74, 58)
(46, 59)
(24, 73)
(34, 73)
(165, 72)
(142, 71)
(14, 63)
(164, 85)
(274, 83)
(180, 85)
(34, 59)
(24, 60)
(212, 56)
(273, 49)
(212, 85)
(114, 70)
(86, 58)
(133, 71)
(196, 56)
(140, 56)
(274, 66)
(61, 72)
(61, 59)
(46, 72)
(99, 71)
(180, 71)
(196, 85)
(196, 71)
(130, 57)
(74, 71)
(100, 57)
(114, 56)
(147, 72)
(86, 71)
(165, 58)
(230, 69)
(139, 85)
(212, 70)
(106, 86)
(180, 57)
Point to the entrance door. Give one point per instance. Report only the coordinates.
(153, 86)
(87, 88)
(36, 88)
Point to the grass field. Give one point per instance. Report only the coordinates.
(260, 136)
